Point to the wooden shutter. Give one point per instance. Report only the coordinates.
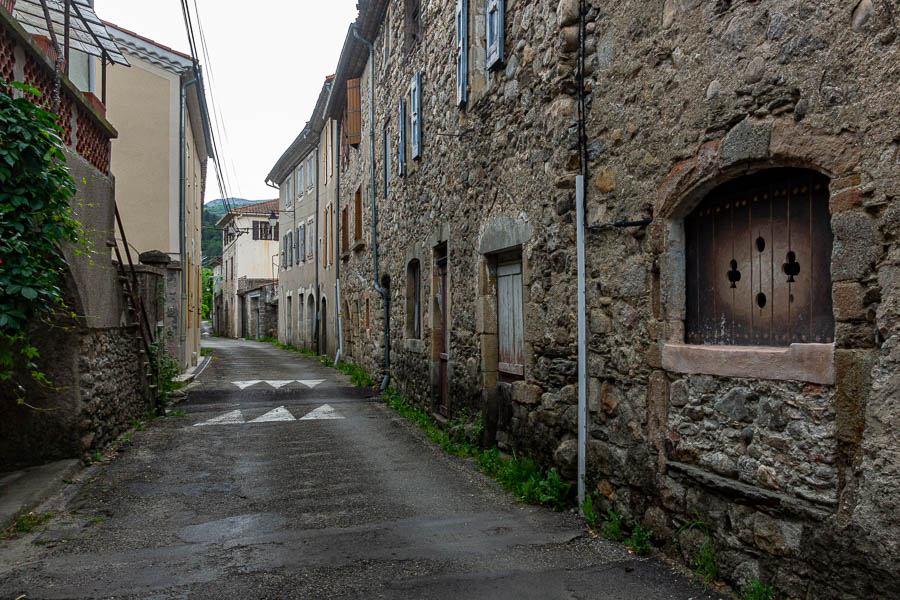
(494, 33)
(274, 233)
(290, 249)
(354, 112)
(345, 230)
(256, 230)
(758, 254)
(415, 115)
(509, 319)
(401, 146)
(297, 246)
(462, 51)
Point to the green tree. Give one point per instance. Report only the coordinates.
(36, 217)
(207, 284)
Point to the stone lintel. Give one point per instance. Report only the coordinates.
(813, 363)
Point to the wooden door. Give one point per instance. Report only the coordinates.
(509, 320)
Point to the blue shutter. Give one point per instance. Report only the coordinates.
(290, 249)
(401, 147)
(297, 247)
(415, 115)
(462, 51)
(494, 34)
(283, 246)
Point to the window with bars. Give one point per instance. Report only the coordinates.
(758, 256)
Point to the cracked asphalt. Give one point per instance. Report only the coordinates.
(358, 506)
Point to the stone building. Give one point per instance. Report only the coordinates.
(742, 304)
(92, 354)
(258, 302)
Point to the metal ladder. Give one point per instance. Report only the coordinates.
(128, 278)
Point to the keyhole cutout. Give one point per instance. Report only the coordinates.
(761, 300)
(734, 275)
(760, 244)
(791, 267)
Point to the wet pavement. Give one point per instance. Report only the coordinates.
(284, 481)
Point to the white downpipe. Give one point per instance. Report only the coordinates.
(582, 341)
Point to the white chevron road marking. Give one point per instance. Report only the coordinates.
(323, 412)
(276, 414)
(230, 418)
(310, 383)
(246, 384)
(279, 383)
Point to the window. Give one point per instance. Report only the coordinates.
(301, 183)
(290, 248)
(412, 28)
(387, 160)
(387, 38)
(401, 146)
(494, 34)
(415, 115)
(298, 245)
(510, 327)
(263, 231)
(414, 300)
(310, 172)
(283, 247)
(758, 254)
(301, 243)
(357, 214)
(287, 190)
(325, 236)
(354, 113)
(462, 51)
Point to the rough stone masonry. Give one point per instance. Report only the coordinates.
(789, 455)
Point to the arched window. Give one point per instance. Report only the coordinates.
(758, 255)
(414, 300)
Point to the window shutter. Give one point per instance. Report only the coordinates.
(283, 243)
(297, 246)
(401, 147)
(494, 34)
(462, 51)
(256, 230)
(274, 233)
(291, 249)
(354, 112)
(415, 119)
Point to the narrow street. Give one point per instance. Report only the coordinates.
(302, 486)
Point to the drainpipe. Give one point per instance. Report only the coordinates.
(316, 244)
(337, 252)
(378, 288)
(583, 416)
(182, 141)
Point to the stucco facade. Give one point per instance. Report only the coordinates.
(160, 211)
(244, 257)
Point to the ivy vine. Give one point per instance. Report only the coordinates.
(36, 217)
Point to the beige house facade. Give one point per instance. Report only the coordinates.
(160, 163)
(249, 258)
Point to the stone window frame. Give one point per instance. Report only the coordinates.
(749, 147)
(500, 236)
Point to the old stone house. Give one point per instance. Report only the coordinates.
(741, 302)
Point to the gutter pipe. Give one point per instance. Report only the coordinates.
(182, 141)
(583, 416)
(337, 252)
(378, 288)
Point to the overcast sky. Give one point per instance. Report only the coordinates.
(269, 60)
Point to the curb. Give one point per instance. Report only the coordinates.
(24, 490)
(189, 375)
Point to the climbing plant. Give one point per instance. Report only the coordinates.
(36, 216)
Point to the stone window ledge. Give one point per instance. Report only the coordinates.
(813, 363)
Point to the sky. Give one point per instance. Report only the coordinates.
(269, 60)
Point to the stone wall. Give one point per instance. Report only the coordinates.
(265, 297)
(792, 465)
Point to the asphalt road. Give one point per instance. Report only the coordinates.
(349, 502)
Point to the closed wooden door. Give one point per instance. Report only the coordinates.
(509, 320)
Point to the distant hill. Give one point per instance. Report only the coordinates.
(217, 207)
